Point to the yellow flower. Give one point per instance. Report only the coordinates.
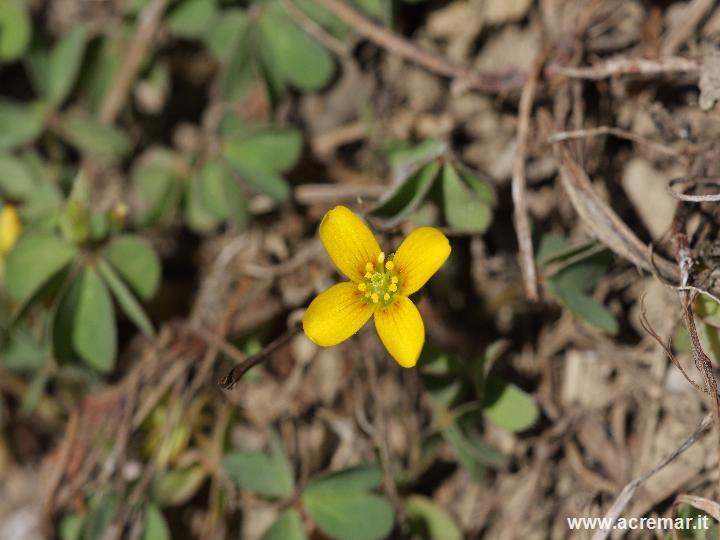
(379, 285)
(10, 228)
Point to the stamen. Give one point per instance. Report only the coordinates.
(380, 284)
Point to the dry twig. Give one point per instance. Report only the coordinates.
(631, 66)
(519, 182)
(236, 373)
(463, 76)
(617, 132)
(683, 255)
(629, 490)
(695, 182)
(148, 23)
(603, 223)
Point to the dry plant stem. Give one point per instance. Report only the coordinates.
(239, 294)
(617, 132)
(58, 470)
(303, 256)
(694, 181)
(683, 255)
(519, 182)
(693, 12)
(236, 373)
(315, 30)
(629, 490)
(323, 193)
(216, 342)
(463, 76)
(603, 223)
(667, 347)
(631, 66)
(706, 505)
(148, 23)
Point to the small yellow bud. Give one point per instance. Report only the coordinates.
(381, 257)
(389, 265)
(386, 297)
(375, 298)
(10, 228)
(394, 279)
(392, 287)
(362, 287)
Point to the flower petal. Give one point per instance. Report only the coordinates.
(420, 255)
(336, 314)
(401, 330)
(348, 241)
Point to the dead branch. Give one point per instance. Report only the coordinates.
(629, 490)
(519, 182)
(463, 76)
(683, 256)
(236, 373)
(148, 23)
(603, 223)
(623, 66)
(616, 132)
(694, 181)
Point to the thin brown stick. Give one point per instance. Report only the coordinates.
(667, 347)
(148, 23)
(603, 223)
(631, 66)
(236, 373)
(519, 182)
(692, 14)
(683, 256)
(694, 181)
(217, 342)
(58, 469)
(616, 132)
(629, 490)
(463, 76)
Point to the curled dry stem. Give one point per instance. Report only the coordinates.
(236, 373)
(685, 261)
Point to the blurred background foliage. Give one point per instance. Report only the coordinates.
(138, 140)
(79, 242)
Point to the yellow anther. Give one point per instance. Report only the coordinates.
(381, 257)
(389, 265)
(375, 298)
(392, 287)
(369, 267)
(368, 275)
(362, 287)
(394, 279)
(386, 297)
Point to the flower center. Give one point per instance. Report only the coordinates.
(380, 284)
